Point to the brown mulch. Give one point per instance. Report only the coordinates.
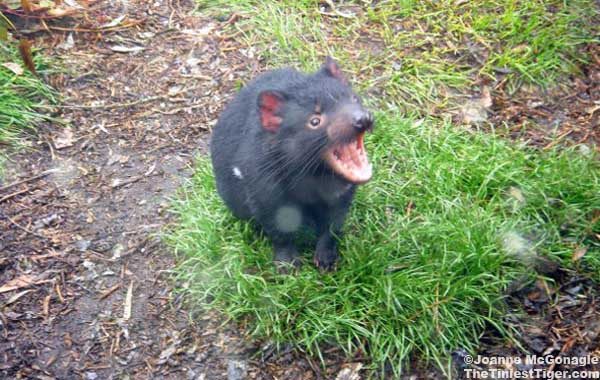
(552, 319)
(567, 114)
(84, 280)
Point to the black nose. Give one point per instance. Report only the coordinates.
(362, 120)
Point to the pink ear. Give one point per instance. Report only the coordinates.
(332, 69)
(269, 105)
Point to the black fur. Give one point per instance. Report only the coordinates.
(268, 158)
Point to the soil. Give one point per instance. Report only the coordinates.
(567, 114)
(85, 288)
(79, 231)
(557, 319)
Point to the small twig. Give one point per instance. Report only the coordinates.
(232, 36)
(558, 139)
(581, 140)
(9, 196)
(196, 76)
(44, 25)
(336, 12)
(127, 303)
(109, 291)
(23, 228)
(97, 30)
(315, 368)
(42, 174)
(59, 292)
(186, 108)
(113, 105)
(118, 183)
(232, 20)
(23, 15)
(36, 258)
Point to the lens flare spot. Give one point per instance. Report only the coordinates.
(517, 245)
(237, 172)
(288, 219)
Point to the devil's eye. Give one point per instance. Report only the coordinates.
(315, 121)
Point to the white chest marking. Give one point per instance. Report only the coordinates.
(237, 172)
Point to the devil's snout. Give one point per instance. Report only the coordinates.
(362, 120)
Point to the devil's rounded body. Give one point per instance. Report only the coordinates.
(288, 153)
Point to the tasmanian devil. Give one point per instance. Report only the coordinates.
(288, 152)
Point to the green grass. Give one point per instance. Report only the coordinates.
(451, 217)
(419, 54)
(20, 96)
(419, 283)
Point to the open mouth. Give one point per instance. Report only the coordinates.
(350, 160)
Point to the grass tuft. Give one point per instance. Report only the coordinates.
(420, 54)
(20, 94)
(449, 220)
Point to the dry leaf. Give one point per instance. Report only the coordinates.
(61, 12)
(14, 67)
(166, 354)
(473, 113)
(65, 140)
(486, 97)
(579, 253)
(68, 43)
(114, 22)
(150, 170)
(516, 193)
(17, 296)
(17, 283)
(73, 4)
(476, 111)
(350, 373)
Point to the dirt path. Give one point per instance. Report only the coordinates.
(93, 194)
